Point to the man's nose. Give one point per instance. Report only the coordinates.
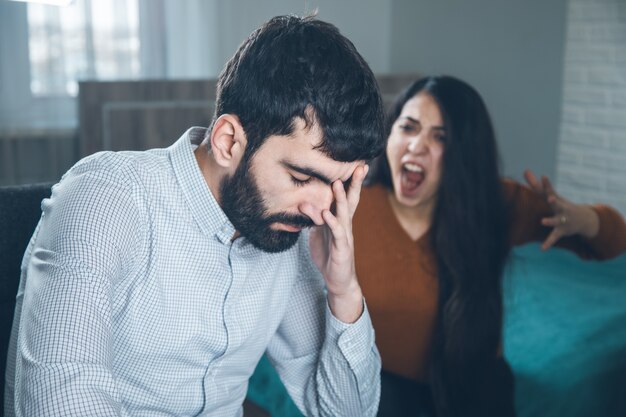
(318, 199)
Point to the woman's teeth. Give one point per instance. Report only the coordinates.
(411, 178)
(412, 167)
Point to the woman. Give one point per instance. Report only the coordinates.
(432, 235)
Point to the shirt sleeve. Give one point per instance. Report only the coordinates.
(329, 368)
(86, 239)
(527, 208)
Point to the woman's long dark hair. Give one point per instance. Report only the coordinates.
(469, 237)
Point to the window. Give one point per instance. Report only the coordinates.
(85, 40)
(46, 50)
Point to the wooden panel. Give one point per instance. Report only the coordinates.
(123, 115)
(140, 127)
(101, 105)
(35, 152)
(139, 115)
(36, 156)
(7, 163)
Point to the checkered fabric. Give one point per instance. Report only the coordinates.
(135, 301)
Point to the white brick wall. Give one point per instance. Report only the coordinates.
(591, 156)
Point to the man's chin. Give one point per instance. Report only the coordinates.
(275, 241)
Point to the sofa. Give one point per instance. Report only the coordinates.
(564, 337)
(564, 327)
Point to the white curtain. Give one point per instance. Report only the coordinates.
(46, 50)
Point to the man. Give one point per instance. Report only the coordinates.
(156, 280)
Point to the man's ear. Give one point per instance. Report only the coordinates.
(228, 141)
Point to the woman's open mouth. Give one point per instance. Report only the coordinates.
(412, 176)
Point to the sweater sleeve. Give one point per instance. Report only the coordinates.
(526, 209)
(610, 241)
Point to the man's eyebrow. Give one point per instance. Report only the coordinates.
(307, 171)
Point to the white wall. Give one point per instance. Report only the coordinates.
(367, 23)
(511, 51)
(592, 148)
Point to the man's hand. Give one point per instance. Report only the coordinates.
(567, 218)
(332, 250)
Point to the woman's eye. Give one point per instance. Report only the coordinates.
(407, 128)
(440, 138)
(300, 182)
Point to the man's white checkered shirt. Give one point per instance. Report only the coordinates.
(135, 301)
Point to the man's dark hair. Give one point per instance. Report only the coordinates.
(302, 67)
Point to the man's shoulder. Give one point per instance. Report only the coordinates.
(123, 167)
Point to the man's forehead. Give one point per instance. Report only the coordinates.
(302, 151)
(325, 168)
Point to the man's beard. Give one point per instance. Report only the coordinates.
(242, 202)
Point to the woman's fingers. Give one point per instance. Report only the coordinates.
(552, 238)
(547, 186)
(532, 181)
(555, 221)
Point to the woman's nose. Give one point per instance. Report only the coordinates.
(416, 144)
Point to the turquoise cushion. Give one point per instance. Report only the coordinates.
(565, 333)
(266, 390)
(564, 336)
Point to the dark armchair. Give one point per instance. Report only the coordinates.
(20, 210)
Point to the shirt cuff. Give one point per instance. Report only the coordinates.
(354, 341)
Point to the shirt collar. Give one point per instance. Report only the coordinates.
(204, 207)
